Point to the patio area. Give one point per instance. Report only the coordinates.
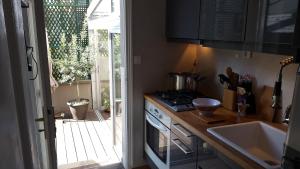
(87, 143)
(83, 42)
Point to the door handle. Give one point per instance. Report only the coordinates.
(42, 119)
(160, 128)
(182, 130)
(186, 150)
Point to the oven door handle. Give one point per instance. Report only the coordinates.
(182, 130)
(157, 126)
(182, 146)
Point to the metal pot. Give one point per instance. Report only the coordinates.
(78, 108)
(178, 80)
(185, 81)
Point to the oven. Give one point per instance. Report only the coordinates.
(167, 144)
(157, 141)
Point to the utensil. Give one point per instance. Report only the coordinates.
(191, 83)
(233, 78)
(206, 105)
(192, 80)
(230, 74)
(225, 80)
(235, 81)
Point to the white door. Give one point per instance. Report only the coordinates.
(29, 63)
(45, 112)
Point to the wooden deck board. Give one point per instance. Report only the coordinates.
(97, 144)
(79, 141)
(87, 141)
(71, 149)
(80, 148)
(60, 144)
(105, 133)
(118, 128)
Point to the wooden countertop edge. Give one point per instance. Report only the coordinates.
(231, 153)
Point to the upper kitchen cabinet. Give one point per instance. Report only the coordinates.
(254, 25)
(278, 22)
(223, 20)
(183, 19)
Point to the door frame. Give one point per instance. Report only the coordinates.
(127, 80)
(112, 86)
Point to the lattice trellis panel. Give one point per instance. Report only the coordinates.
(63, 16)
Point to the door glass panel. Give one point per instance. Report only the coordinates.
(116, 59)
(157, 141)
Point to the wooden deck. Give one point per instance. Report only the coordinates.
(87, 142)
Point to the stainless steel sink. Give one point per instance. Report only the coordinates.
(257, 140)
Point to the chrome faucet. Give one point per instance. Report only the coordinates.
(287, 114)
(277, 92)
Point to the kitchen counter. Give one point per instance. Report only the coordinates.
(199, 128)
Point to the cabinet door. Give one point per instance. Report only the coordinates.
(279, 25)
(183, 19)
(280, 21)
(223, 20)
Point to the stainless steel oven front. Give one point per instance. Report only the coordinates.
(167, 144)
(157, 141)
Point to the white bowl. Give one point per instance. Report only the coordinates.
(206, 105)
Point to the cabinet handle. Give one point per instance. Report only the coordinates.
(182, 130)
(182, 146)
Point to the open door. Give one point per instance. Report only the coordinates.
(39, 82)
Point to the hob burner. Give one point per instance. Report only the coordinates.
(178, 100)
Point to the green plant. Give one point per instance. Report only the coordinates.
(105, 98)
(77, 59)
(103, 42)
(116, 40)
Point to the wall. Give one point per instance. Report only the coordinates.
(158, 57)
(264, 67)
(66, 92)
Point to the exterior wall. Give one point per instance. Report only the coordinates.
(67, 92)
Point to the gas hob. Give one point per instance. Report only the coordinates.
(178, 100)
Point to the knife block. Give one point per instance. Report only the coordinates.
(229, 99)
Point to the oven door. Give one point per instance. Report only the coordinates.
(157, 141)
